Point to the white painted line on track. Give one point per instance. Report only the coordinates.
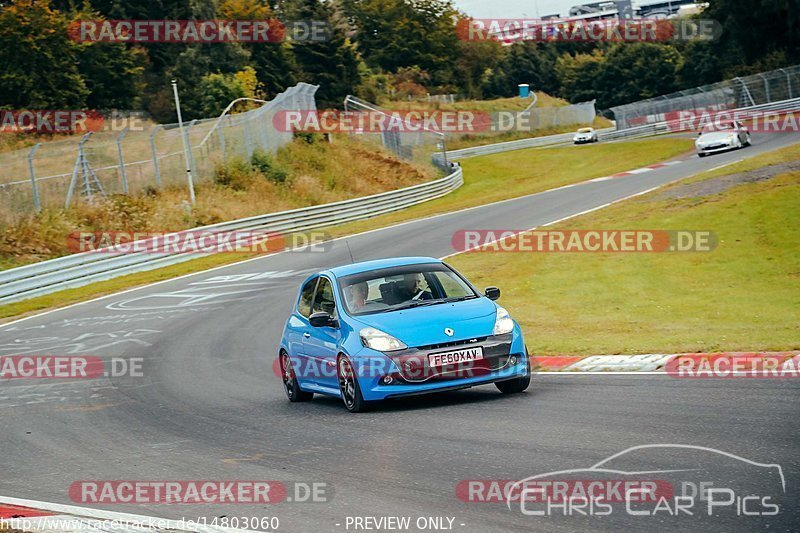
(399, 224)
(725, 165)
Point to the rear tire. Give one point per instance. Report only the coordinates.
(349, 388)
(290, 384)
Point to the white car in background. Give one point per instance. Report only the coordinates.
(719, 138)
(585, 135)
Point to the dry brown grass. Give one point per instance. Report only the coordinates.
(315, 173)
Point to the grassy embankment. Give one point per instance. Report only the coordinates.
(488, 179)
(744, 295)
(456, 142)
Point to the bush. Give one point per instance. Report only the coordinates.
(263, 162)
(308, 137)
(235, 173)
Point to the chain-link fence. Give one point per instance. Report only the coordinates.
(539, 118)
(405, 138)
(758, 89)
(131, 160)
(411, 140)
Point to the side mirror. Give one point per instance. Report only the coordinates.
(493, 293)
(320, 319)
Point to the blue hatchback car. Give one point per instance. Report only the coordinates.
(398, 327)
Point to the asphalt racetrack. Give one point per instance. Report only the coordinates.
(209, 407)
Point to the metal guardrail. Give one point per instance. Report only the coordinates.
(611, 134)
(83, 268)
(496, 148)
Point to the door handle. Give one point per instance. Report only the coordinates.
(306, 334)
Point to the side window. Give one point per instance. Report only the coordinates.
(323, 301)
(306, 295)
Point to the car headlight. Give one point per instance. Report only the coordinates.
(380, 341)
(503, 323)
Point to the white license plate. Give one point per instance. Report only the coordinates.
(456, 356)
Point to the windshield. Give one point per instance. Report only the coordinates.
(711, 128)
(396, 288)
(585, 130)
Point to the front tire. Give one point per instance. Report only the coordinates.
(349, 388)
(290, 384)
(516, 385)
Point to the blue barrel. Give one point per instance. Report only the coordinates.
(524, 90)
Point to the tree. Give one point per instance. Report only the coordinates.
(579, 74)
(39, 60)
(331, 63)
(273, 61)
(219, 90)
(403, 33)
(753, 30)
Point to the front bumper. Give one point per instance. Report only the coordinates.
(715, 148)
(411, 374)
(586, 140)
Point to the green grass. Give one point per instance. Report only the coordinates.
(456, 142)
(744, 295)
(487, 179)
(506, 175)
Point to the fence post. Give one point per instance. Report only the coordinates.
(766, 88)
(221, 141)
(189, 145)
(746, 90)
(34, 186)
(788, 82)
(155, 155)
(122, 161)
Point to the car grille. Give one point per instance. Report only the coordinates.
(415, 368)
(451, 343)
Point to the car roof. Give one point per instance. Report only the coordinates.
(365, 266)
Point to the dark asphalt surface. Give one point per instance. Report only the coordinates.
(208, 406)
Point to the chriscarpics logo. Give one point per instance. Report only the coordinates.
(664, 481)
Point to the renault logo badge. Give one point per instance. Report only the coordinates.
(449, 332)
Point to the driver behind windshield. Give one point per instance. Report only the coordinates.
(358, 295)
(412, 289)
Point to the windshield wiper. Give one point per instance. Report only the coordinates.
(423, 303)
(458, 298)
(412, 304)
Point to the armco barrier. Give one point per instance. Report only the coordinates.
(83, 268)
(605, 134)
(80, 269)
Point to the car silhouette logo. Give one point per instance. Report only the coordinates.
(449, 332)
